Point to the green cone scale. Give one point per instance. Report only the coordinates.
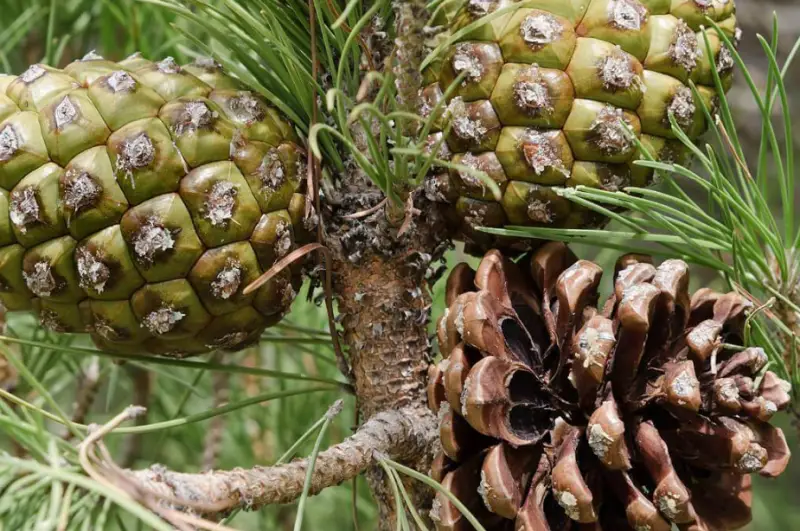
(548, 91)
(138, 199)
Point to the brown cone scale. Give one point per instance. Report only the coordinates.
(578, 413)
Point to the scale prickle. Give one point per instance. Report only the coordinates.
(138, 199)
(548, 92)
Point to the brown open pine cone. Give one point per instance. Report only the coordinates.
(561, 414)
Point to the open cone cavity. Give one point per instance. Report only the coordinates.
(559, 411)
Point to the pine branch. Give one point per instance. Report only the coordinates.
(400, 434)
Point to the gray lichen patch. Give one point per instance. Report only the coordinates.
(25, 208)
(599, 441)
(436, 189)
(208, 63)
(283, 244)
(617, 72)
(769, 406)
(476, 216)
(759, 360)
(613, 181)
(591, 350)
(33, 73)
(93, 273)
(194, 116)
(459, 320)
(436, 510)
(247, 108)
(627, 14)
(151, 240)
(631, 293)
(92, 56)
(463, 125)
(728, 390)
(668, 505)
(228, 281)
(107, 331)
(271, 171)
(81, 191)
(540, 153)
(121, 81)
(311, 219)
(137, 152)
(568, 502)
(41, 280)
(485, 491)
(531, 94)
(725, 62)
(466, 61)
(684, 385)
(470, 178)
(753, 460)
(229, 341)
(220, 203)
(539, 30)
(609, 133)
(539, 211)
(163, 320)
(51, 321)
(442, 153)
(682, 106)
(65, 113)
(168, 65)
(288, 295)
(684, 49)
(480, 8)
(9, 143)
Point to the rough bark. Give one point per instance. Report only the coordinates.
(398, 433)
(385, 316)
(385, 307)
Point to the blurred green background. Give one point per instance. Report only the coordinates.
(60, 31)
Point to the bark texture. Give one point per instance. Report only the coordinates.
(385, 317)
(382, 268)
(385, 307)
(396, 433)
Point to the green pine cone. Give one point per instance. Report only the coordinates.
(546, 90)
(139, 199)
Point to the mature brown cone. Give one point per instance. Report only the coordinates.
(561, 414)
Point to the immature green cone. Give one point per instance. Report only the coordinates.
(546, 94)
(139, 199)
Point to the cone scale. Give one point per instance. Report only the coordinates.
(551, 88)
(559, 410)
(138, 199)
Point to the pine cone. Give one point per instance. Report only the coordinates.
(561, 414)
